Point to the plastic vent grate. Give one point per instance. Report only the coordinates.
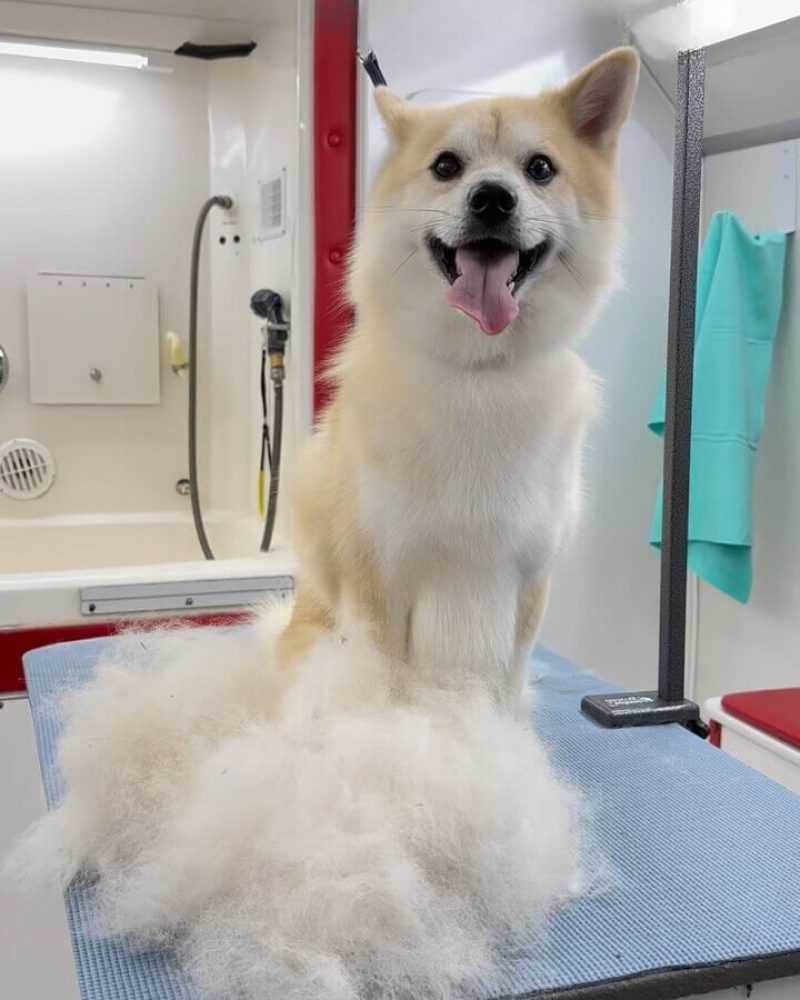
(273, 206)
(27, 469)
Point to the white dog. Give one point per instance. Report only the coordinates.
(445, 477)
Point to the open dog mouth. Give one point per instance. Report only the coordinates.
(485, 276)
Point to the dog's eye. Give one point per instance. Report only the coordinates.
(446, 166)
(541, 169)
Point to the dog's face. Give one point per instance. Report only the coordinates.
(491, 229)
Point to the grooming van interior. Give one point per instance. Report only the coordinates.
(180, 185)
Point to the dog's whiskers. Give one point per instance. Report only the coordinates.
(403, 263)
(570, 246)
(563, 221)
(403, 208)
(570, 270)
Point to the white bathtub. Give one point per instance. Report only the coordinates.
(138, 564)
(91, 541)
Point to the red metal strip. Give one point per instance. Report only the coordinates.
(335, 42)
(14, 643)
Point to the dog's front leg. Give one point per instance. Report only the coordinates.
(462, 630)
(532, 605)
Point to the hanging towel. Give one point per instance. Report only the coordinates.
(739, 297)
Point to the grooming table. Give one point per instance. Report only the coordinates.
(705, 857)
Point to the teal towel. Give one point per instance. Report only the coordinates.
(739, 297)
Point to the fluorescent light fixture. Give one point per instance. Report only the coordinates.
(102, 55)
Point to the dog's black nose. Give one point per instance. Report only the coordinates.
(492, 202)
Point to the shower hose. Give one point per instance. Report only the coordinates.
(273, 449)
(194, 283)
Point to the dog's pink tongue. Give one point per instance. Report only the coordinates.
(481, 289)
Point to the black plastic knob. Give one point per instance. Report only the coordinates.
(267, 305)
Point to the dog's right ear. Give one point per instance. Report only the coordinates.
(599, 99)
(398, 115)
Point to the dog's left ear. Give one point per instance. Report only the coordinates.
(598, 100)
(398, 115)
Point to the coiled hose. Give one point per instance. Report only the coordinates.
(223, 201)
(274, 466)
(268, 305)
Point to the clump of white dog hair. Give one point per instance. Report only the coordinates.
(310, 833)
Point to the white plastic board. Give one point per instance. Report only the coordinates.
(93, 339)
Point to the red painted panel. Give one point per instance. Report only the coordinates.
(16, 642)
(335, 42)
(775, 712)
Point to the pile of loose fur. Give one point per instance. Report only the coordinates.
(304, 835)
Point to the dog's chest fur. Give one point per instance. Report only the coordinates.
(478, 474)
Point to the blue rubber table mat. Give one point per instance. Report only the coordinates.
(704, 855)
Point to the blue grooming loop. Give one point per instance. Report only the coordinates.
(705, 857)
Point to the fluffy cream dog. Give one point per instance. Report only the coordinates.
(445, 477)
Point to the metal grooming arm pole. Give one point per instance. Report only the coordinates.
(646, 708)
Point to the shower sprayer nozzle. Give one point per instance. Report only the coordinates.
(268, 305)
